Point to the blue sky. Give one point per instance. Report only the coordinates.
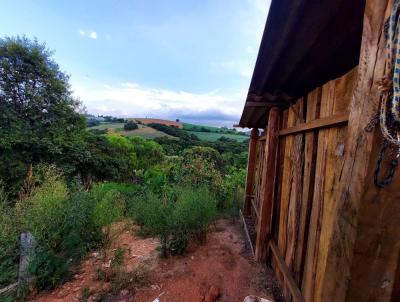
(190, 59)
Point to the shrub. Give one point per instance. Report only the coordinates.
(176, 217)
(233, 187)
(194, 210)
(66, 223)
(108, 207)
(59, 224)
(130, 126)
(8, 242)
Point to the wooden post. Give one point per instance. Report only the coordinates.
(250, 171)
(27, 250)
(268, 184)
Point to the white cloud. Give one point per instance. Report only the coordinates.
(134, 100)
(93, 35)
(88, 34)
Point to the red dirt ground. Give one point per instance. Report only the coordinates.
(221, 265)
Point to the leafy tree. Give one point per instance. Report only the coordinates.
(39, 119)
(148, 152)
(130, 126)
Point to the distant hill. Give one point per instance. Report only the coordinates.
(206, 133)
(147, 121)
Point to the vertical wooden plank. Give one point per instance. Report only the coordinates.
(295, 197)
(287, 178)
(250, 171)
(268, 184)
(377, 244)
(310, 156)
(277, 201)
(281, 159)
(310, 271)
(354, 175)
(331, 147)
(340, 93)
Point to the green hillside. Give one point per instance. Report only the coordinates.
(213, 136)
(205, 133)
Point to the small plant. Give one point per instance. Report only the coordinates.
(101, 275)
(85, 294)
(131, 281)
(118, 259)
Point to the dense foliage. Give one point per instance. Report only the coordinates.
(67, 186)
(130, 126)
(38, 115)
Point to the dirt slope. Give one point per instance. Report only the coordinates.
(221, 265)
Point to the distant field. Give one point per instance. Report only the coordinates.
(147, 132)
(109, 126)
(212, 136)
(190, 127)
(143, 131)
(150, 133)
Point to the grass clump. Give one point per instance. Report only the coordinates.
(177, 217)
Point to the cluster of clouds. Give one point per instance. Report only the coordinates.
(210, 108)
(134, 100)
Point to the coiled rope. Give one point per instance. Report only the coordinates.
(389, 114)
(390, 84)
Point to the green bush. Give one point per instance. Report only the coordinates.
(66, 223)
(130, 126)
(176, 217)
(8, 242)
(233, 191)
(108, 207)
(194, 210)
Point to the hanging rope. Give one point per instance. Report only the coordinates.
(390, 84)
(389, 113)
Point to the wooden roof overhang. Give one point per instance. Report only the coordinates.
(305, 44)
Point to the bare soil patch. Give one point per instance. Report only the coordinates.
(221, 269)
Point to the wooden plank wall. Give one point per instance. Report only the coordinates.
(308, 173)
(333, 230)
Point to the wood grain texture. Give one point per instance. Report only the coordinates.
(329, 121)
(287, 179)
(296, 189)
(268, 185)
(310, 156)
(291, 283)
(354, 177)
(331, 147)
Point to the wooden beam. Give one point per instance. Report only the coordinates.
(262, 104)
(325, 122)
(255, 208)
(268, 184)
(251, 162)
(288, 279)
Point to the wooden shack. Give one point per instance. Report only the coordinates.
(322, 219)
